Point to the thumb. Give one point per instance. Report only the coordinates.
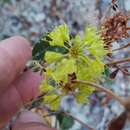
(30, 121)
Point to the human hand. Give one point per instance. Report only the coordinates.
(17, 87)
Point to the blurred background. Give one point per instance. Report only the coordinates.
(32, 18)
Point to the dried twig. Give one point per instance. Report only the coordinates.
(103, 89)
(121, 68)
(123, 47)
(119, 61)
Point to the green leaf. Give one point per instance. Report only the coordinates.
(65, 122)
(106, 71)
(40, 49)
(58, 49)
(106, 75)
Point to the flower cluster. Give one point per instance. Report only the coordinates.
(83, 60)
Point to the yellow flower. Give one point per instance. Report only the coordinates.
(84, 61)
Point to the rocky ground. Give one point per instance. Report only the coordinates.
(32, 18)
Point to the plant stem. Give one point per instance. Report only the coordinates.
(53, 7)
(119, 61)
(105, 13)
(125, 46)
(121, 68)
(69, 114)
(103, 89)
(82, 123)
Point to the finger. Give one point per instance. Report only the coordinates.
(22, 91)
(30, 121)
(14, 53)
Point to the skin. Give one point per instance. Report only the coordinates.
(17, 87)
